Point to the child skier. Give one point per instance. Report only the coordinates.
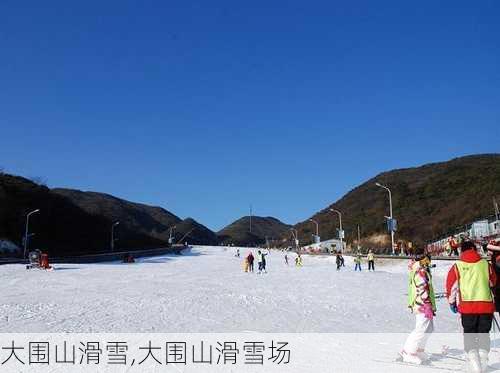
(357, 261)
(468, 288)
(422, 303)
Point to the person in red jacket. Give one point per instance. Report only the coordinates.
(468, 289)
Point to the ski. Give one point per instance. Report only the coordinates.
(425, 366)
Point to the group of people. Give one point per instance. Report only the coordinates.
(357, 261)
(471, 291)
(248, 262)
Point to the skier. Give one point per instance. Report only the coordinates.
(250, 260)
(261, 261)
(357, 261)
(237, 253)
(338, 260)
(422, 303)
(468, 289)
(286, 259)
(298, 261)
(453, 246)
(371, 260)
(264, 262)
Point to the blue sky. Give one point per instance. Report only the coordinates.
(205, 107)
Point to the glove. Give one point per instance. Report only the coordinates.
(454, 308)
(428, 311)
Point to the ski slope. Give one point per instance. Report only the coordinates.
(206, 291)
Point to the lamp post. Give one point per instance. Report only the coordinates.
(317, 228)
(170, 237)
(26, 230)
(295, 234)
(113, 235)
(341, 232)
(390, 214)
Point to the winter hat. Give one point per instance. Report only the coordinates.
(419, 254)
(468, 245)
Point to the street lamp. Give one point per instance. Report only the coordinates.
(341, 232)
(295, 234)
(113, 235)
(390, 214)
(170, 237)
(317, 226)
(26, 230)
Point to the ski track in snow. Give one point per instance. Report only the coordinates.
(206, 290)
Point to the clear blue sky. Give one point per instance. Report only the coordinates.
(204, 107)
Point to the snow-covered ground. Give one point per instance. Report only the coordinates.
(206, 291)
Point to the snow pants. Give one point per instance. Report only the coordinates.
(417, 339)
(358, 266)
(477, 331)
(371, 265)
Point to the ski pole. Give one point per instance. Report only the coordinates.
(496, 322)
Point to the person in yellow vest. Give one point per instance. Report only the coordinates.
(468, 289)
(371, 260)
(298, 261)
(422, 303)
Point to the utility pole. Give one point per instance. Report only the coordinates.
(497, 210)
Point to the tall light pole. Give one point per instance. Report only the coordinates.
(26, 230)
(341, 232)
(170, 237)
(317, 228)
(390, 214)
(113, 235)
(295, 234)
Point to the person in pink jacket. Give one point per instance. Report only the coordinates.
(422, 303)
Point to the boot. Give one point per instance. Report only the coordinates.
(473, 362)
(484, 359)
(411, 358)
(423, 355)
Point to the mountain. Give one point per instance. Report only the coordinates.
(238, 232)
(151, 221)
(428, 202)
(61, 228)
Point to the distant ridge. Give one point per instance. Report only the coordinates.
(238, 232)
